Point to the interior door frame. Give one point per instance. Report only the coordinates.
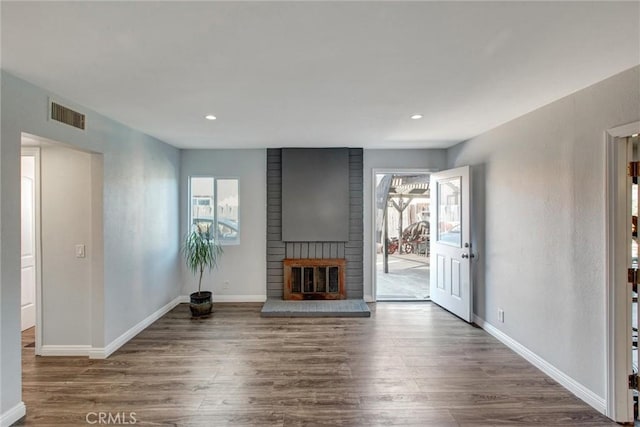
(618, 397)
(374, 172)
(35, 152)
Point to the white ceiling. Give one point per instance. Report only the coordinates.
(317, 73)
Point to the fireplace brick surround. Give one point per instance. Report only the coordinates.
(278, 250)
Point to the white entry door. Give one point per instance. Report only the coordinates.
(451, 252)
(28, 246)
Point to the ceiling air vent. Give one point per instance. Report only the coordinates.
(66, 115)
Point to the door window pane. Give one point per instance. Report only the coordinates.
(449, 199)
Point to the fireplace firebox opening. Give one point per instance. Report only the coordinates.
(314, 278)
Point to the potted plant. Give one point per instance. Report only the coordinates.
(202, 250)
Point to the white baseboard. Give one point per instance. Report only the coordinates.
(103, 353)
(64, 350)
(566, 381)
(12, 415)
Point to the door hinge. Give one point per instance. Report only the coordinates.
(633, 382)
(632, 278)
(633, 169)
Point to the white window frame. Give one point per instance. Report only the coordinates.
(215, 178)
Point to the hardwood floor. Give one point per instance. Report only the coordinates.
(409, 364)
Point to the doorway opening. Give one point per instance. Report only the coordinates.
(623, 193)
(61, 247)
(30, 254)
(402, 222)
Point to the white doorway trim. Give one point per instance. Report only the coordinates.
(96, 284)
(35, 152)
(372, 231)
(619, 399)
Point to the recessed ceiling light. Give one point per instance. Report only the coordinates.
(210, 117)
(416, 116)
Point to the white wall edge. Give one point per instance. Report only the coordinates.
(65, 350)
(369, 298)
(566, 381)
(103, 353)
(12, 415)
(237, 298)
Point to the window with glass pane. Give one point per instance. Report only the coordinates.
(227, 212)
(214, 205)
(449, 199)
(202, 201)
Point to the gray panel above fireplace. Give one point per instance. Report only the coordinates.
(315, 194)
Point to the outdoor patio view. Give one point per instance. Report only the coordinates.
(402, 221)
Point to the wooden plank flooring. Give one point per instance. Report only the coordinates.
(409, 364)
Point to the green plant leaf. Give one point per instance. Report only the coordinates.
(201, 250)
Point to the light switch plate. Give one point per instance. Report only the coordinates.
(80, 251)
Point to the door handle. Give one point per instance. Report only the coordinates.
(468, 256)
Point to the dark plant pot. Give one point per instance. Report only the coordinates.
(200, 304)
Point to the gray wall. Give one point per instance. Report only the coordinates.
(541, 224)
(389, 159)
(141, 228)
(277, 250)
(241, 275)
(140, 195)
